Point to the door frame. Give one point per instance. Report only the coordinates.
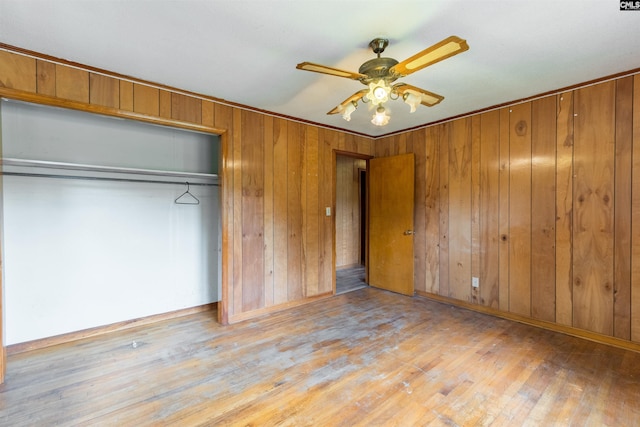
(334, 186)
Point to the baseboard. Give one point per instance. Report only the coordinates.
(567, 330)
(276, 308)
(100, 330)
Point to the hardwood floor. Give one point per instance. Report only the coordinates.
(367, 357)
(350, 279)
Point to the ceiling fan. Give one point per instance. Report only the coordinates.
(379, 74)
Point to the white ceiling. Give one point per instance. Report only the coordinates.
(246, 51)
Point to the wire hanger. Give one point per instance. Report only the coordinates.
(187, 198)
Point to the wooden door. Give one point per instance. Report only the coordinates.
(391, 181)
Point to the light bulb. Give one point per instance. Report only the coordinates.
(380, 118)
(378, 92)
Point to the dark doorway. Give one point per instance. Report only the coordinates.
(350, 222)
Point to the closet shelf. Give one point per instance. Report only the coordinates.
(106, 169)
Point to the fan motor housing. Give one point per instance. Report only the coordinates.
(378, 68)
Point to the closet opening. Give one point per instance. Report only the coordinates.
(101, 223)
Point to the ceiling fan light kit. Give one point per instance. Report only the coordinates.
(379, 74)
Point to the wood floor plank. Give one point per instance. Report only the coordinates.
(367, 357)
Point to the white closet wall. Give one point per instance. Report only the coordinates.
(81, 253)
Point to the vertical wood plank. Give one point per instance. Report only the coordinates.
(635, 215)
(401, 143)
(382, 147)
(280, 216)
(340, 141)
(126, 95)
(443, 270)
(388, 148)
(268, 223)
(564, 209)
(208, 113)
(593, 208)
(503, 216)
(322, 237)
(622, 209)
(72, 83)
(327, 257)
(360, 165)
(432, 211)
(350, 144)
(236, 299)
(146, 100)
(252, 143)
(475, 205)
(394, 146)
(295, 157)
(186, 108)
(165, 104)
(365, 146)
(224, 120)
(418, 146)
(303, 213)
(490, 209)
(543, 206)
(104, 90)
(377, 147)
(17, 71)
(412, 137)
(312, 223)
(520, 209)
(343, 185)
(46, 77)
(460, 210)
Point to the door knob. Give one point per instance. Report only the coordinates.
(408, 232)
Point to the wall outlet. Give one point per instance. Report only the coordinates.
(475, 282)
(327, 211)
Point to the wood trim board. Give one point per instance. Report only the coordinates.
(563, 329)
(101, 330)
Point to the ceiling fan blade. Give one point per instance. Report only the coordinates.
(316, 68)
(445, 49)
(427, 98)
(354, 97)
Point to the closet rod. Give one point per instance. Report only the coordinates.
(103, 178)
(96, 168)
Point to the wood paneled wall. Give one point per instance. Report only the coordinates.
(536, 199)
(539, 201)
(347, 213)
(277, 177)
